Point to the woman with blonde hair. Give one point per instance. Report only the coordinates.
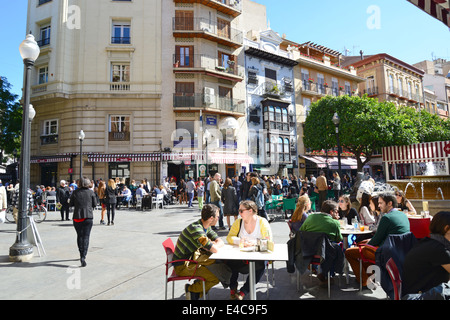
(101, 191)
(300, 213)
(111, 201)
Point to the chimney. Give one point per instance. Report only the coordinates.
(361, 53)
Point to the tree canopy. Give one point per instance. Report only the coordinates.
(10, 119)
(367, 125)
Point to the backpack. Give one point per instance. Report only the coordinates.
(259, 199)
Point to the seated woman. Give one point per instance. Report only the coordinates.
(403, 203)
(427, 264)
(300, 214)
(346, 210)
(250, 227)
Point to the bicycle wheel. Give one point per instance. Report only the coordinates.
(9, 215)
(39, 214)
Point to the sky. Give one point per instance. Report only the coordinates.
(395, 27)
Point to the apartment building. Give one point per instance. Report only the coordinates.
(436, 82)
(389, 79)
(271, 103)
(318, 73)
(144, 80)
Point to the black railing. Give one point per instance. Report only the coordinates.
(121, 40)
(43, 42)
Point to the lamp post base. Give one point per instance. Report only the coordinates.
(20, 252)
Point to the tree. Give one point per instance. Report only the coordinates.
(366, 126)
(10, 119)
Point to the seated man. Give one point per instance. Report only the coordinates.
(392, 222)
(195, 236)
(327, 222)
(126, 194)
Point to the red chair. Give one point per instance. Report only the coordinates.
(169, 248)
(362, 259)
(420, 227)
(392, 269)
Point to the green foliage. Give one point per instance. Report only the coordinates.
(10, 119)
(366, 125)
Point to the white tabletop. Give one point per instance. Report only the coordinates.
(350, 230)
(232, 252)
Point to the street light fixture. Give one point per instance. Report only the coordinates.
(336, 120)
(22, 250)
(81, 137)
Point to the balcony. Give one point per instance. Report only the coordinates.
(207, 102)
(119, 86)
(43, 42)
(118, 136)
(371, 91)
(49, 139)
(230, 7)
(186, 27)
(204, 64)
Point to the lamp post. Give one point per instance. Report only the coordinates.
(336, 120)
(206, 137)
(22, 250)
(81, 137)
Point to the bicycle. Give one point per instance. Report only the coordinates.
(39, 213)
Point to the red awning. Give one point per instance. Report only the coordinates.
(439, 9)
(137, 157)
(49, 159)
(419, 152)
(229, 158)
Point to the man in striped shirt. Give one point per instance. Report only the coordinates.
(198, 235)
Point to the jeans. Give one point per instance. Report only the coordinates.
(190, 198)
(83, 230)
(219, 205)
(110, 211)
(238, 266)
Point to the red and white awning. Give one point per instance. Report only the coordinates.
(230, 158)
(137, 157)
(420, 152)
(182, 156)
(49, 159)
(439, 9)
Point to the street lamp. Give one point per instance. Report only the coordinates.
(206, 137)
(81, 137)
(336, 120)
(22, 250)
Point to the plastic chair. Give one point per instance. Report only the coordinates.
(169, 248)
(420, 227)
(51, 203)
(289, 204)
(394, 274)
(138, 202)
(363, 259)
(158, 200)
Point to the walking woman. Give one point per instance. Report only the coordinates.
(84, 201)
(111, 200)
(101, 191)
(229, 200)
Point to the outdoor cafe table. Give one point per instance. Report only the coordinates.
(346, 231)
(233, 252)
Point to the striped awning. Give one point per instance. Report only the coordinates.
(134, 157)
(419, 152)
(439, 9)
(230, 158)
(182, 156)
(49, 159)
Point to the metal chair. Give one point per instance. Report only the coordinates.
(394, 274)
(172, 277)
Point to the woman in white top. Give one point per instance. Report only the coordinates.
(364, 213)
(250, 227)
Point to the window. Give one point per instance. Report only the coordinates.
(184, 20)
(252, 77)
(119, 128)
(306, 105)
(120, 73)
(50, 132)
(43, 75)
(348, 90)
(121, 33)
(41, 2)
(334, 87)
(183, 137)
(400, 86)
(409, 90)
(320, 83)
(391, 83)
(184, 95)
(45, 35)
(223, 28)
(276, 118)
(271, 74)
(184, 55)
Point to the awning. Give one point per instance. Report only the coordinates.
(420, 152)
(333, 163)
(182, 156)
(124, 157)
(229, 158)
(439, 9)
(49, 159)
(321, 163)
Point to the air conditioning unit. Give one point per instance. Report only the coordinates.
(209, 95)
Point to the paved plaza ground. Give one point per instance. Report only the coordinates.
(126, 262)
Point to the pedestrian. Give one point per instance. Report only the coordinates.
(200, 194)
(229, 200)
(322, 186)
(336, 185)
(3, 203)
(190, 189)
(253, 194)
(111, 201)
(84, 201)
(216, 196)
(62, 199)
(101, 191)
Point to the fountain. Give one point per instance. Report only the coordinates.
(435, 190)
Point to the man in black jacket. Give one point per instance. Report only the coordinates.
(62, 197)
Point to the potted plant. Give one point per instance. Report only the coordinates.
(176, 64)
(310, 80)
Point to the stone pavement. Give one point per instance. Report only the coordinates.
(126, 262)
